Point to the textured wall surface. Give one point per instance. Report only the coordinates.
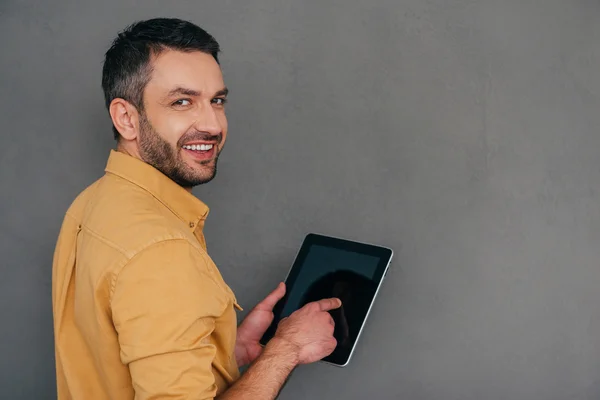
(462, 133)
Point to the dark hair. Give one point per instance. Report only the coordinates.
(127, 69)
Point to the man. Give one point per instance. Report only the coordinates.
(140, 310)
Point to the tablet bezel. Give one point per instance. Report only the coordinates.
(384, 254)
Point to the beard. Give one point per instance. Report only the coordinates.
(157, 152)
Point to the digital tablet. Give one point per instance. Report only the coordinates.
(332, 267)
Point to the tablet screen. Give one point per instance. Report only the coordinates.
(328, 267)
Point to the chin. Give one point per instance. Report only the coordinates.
(196, 173)
(205, 176)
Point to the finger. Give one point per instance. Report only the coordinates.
(332, 344)
(269, 302)
(331, 321)
(329, 304)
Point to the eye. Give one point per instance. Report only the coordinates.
(220, 101)
(182, 102)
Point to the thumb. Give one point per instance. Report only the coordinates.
(271, 300)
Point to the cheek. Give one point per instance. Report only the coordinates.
(173, 128)
(223, 124)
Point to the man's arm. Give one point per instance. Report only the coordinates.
(304, 337)
(163, 307)
(267, 375)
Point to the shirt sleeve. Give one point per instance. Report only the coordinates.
(164, 307)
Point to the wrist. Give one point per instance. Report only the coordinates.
(283, 349)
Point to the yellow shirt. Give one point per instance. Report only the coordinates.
(140, 309)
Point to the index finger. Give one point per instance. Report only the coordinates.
(329, 304)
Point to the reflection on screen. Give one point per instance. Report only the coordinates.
(329, 272)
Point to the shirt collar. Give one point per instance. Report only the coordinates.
(181, 202)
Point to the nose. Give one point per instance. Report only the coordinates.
(208, 121)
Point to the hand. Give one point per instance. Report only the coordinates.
(251, 330)
(310, 330)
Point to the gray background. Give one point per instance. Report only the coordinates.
(463, 134)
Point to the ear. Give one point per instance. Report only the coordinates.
(125, 118)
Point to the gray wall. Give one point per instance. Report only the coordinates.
(464, 134)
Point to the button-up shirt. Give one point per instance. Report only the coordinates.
(140, 309)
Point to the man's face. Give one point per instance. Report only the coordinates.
(183, 126)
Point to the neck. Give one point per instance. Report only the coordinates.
(127, 148)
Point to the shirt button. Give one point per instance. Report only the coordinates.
(192, 224)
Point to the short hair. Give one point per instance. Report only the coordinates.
(127, 68)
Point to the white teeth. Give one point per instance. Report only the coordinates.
(199, 147)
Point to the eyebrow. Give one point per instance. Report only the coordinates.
(222, 93)
(191, 92)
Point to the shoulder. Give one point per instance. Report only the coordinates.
(168, 270)
(171, 256)
(78, 205)
(131, 219)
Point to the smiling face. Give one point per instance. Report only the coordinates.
(182, 128)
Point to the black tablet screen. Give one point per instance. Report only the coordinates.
(323, 271)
